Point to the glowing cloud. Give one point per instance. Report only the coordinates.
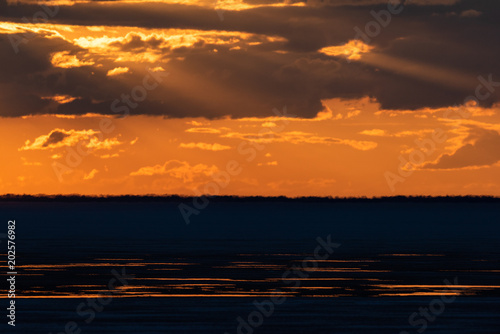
(351, 50)
(205, 146)
(299, 137)
(177, 169)
(480, 149)
(117, 71)
(60, 138)
(61, 99)
(203, 130)
(90, 175)
(374, 132)
(65, 60)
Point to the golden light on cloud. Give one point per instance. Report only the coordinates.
(335, 146)
(221, 97)
(177, 169)
(62, 99)
(58, 138)
(155, 43)
(118, 71)
(374, 132)
(48, 2)
(238, 5)
(90, 175)
(205, 146)
(271, 163)
(299, 137)
(30, 29)
(352, 50)
(203, 130)
(64, 59)
(65, 138)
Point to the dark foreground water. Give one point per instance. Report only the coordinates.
(255, 267)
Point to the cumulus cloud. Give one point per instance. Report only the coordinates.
(118, 71)
(60, 138)
(471, 13)
(203, 130)
(205, 146)
(91, 174)
(270, 163)
(351, 50)
(267, 57)
(178, 169)
(374, 132)
(65, 60)
(481, 148)
(108, 156)
(407, 133)
(55, 137)
(298, 185)
(300, 137)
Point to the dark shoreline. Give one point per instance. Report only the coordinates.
(247, 199)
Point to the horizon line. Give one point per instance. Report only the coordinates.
(235, 198)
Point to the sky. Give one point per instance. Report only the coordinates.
(250, 97)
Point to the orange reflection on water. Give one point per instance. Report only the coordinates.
(347, 261)
(419, 293)
(70, 265)
(403, 286)
(162, 295)
(346, 270)
(196, 279)
(411, 254)
(119, 259)
(252, 266)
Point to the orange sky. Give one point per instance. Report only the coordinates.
(346, 151)
(99, 124)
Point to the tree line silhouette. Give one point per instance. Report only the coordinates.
(235, 199)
